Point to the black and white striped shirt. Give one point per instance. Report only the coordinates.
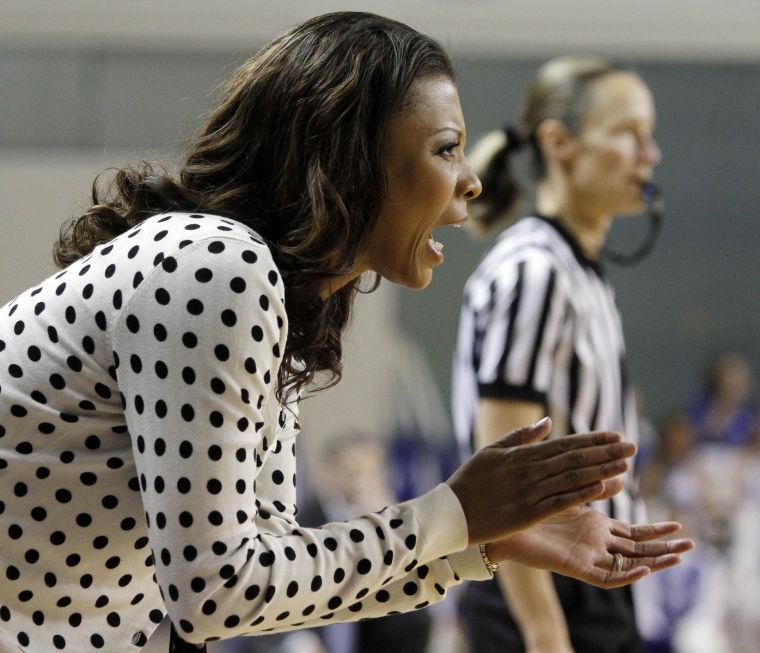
(539, 323)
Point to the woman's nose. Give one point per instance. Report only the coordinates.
(471, 185)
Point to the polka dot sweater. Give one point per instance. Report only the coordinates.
(146, 466)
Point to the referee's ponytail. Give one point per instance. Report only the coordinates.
(490, 159)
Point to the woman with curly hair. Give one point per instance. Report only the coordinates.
(148, 391)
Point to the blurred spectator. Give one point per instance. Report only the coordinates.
(664, 466)
(723, 413)
(711, 603)
(743, 601)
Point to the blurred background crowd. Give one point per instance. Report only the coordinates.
(75, 78)
(700, 464)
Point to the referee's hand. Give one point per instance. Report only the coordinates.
(518, 481)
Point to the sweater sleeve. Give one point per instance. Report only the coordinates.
(197, 350)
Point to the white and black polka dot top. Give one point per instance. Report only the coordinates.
(146, 466)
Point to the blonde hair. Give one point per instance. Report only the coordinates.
(559, 91)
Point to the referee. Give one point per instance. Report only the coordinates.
(540, 332)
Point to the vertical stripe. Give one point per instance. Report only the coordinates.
(480, 320)
(594, 421)
(548, 296)
(623, 385)
(512, 319)
(572, 395)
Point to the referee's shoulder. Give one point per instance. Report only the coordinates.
(533, 252)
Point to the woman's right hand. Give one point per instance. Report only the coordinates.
(518, 481)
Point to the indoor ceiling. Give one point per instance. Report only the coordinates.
(714, 30)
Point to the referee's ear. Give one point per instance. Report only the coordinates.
(526, 434)
(555, 141)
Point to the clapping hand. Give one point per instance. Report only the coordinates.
(518, 481)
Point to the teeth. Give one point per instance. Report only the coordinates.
(438, 247)
(457, 225)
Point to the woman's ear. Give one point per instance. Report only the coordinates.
(556, 142)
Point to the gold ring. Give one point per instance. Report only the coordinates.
(618, 561)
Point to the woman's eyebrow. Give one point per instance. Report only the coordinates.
(456, 129)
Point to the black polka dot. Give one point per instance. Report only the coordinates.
(204, 275)
(83, 519)
(195, 307)
(221, 352)
(133, 323)
(169, 264)
(162, 296)
(187, 412)
(229, 319)
(109, 502)
(63, 495)
(356, 535)
(364, 566)
(159, 332)
(410, 588)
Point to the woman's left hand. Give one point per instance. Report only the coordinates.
(581, 542)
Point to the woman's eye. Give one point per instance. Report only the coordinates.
(448, 149)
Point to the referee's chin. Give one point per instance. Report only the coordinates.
(634, 208)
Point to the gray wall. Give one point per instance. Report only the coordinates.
(697, 293)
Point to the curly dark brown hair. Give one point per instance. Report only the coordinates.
(295, 150)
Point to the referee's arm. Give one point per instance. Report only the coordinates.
(530, 592)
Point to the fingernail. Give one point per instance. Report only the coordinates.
(540, 423)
